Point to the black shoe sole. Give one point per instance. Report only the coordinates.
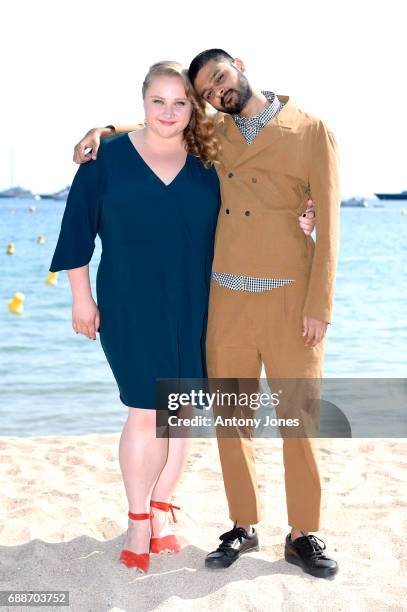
(228, 562)
(325, 572)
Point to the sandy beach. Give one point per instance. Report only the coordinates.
(63, 516)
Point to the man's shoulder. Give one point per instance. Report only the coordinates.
(315, 123)
(300, 117)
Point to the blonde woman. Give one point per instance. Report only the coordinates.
(152, 196)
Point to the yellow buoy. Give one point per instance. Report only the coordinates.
(10, 248)
(52, 278)
(15, 305)
(41, 239)
(403, 211)
(32, 209)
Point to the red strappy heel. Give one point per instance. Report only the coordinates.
(168, 543)
(132, 559)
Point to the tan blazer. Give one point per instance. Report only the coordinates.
(264, 189)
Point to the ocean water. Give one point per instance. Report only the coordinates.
(53, 381)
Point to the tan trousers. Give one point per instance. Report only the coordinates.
(244, 330)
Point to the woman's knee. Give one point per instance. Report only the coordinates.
(142, 418)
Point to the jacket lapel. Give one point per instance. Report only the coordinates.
(236, 151)
(232, 141)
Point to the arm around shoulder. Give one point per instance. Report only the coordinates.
(125, 128)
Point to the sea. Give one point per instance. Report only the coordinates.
(55, 382)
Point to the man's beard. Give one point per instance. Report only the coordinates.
(240, 97)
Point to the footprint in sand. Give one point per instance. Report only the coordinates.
(17, 503)
(74, 460)
(72, 496)
(72, 512)
(109, 477)
(13, 471)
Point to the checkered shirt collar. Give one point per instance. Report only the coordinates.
(248, 123)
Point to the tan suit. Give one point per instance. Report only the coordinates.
(265, 187)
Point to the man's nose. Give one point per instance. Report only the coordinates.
(220, 92)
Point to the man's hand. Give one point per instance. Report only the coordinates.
(307, 219)
(91, 140)
(85, 317)
(313, 330)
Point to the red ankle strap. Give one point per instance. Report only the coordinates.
(165, 506)
(140, 517)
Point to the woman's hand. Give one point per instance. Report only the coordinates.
(307, 220)
(85, 317)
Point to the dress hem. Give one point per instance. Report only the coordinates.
(139, 404)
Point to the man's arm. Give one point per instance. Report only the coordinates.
(324, 185)
(88, 147)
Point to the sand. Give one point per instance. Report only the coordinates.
(63, 516)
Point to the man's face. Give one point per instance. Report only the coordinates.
(224, 86)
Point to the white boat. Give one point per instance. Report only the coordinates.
(355, 203)
(16, 192)
(62, 194)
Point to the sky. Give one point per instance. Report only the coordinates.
(70, 65)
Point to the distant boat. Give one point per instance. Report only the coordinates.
(16, 192)
(62, 194)
(392, 196)
(355, 203)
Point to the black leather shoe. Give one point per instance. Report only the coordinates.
(308, 554)
(234, 543)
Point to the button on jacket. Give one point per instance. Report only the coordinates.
(293, 158)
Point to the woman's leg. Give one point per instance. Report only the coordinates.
(178, 452)
(142, 457)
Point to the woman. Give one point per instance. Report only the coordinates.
(154, 205)
(152, 196)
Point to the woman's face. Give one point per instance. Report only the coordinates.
(166, 106)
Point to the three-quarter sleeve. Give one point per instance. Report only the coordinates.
(80, 221)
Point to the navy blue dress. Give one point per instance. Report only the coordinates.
(153, 278)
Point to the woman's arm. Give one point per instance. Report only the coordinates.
(76, 242)
(85, 313)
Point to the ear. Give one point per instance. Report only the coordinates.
(238, 63)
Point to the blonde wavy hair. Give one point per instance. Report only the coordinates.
(199, 135)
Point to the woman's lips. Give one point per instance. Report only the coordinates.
(166, 122)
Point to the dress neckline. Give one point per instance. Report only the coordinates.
(149, 168)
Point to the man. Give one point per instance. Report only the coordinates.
(272, 288)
